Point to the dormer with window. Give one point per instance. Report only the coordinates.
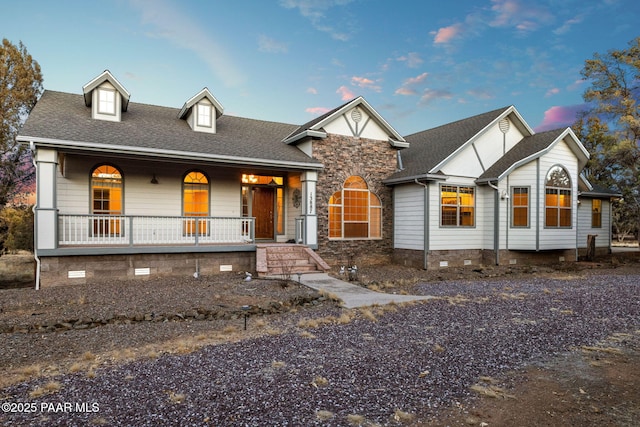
(201, 112)
(106, 97)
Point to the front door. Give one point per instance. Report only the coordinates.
(262, 209)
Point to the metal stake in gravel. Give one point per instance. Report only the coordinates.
(245, 309)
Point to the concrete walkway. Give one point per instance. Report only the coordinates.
(353, 296)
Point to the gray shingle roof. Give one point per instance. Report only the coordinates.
(64, 117)
(430, 147)
(527, 146)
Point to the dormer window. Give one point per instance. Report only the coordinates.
(201, 111)
(106, 101)
(204, 114)
(106, 97)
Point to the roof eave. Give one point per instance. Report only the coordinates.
(307, 133)
(165, 154)
(413, 178)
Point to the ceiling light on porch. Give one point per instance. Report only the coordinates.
(154, 180)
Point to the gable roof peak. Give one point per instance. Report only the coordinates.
(106, 76)
(315, 127)
(204, 93)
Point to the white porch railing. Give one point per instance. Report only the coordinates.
(128, 230)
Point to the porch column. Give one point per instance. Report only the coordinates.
(46, 212)
(309, 180)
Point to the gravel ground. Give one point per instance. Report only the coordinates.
(386, 366)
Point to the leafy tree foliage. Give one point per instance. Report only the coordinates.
(16, 228)
(20, 88)
(610, 129)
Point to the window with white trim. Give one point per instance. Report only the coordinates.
(558, 209)
(355, 212)
(519, 207)
(457, 206)
(106, 101)
(204, 115)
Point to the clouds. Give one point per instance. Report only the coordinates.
(316, 12)
(519, 15)
(447, 34)
(409, 86)
(269, 45)
(163, 20)
(345, 93)
(558, 117)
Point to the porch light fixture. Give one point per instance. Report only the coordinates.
(154, 180)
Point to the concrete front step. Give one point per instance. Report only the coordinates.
(287, 259)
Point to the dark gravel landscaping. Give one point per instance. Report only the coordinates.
(392, 366)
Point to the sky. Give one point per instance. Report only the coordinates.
(419, 64)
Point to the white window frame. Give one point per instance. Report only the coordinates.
(107, 101)
(204, 113)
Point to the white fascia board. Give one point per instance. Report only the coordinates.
(166, 154)
(425, 177)
(356, 102)
(105, 76)
(586, 181)
(399, 144)
(510, 110)
(204, 93)
(579, 148)
(306, 133)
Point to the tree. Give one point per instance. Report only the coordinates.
(20, 88)
(611, 128)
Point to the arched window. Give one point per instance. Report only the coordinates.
(195, 201)
(558, 198)
(106, 199)
(355, 212)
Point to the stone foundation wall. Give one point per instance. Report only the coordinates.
(478, 257)
(70, 270)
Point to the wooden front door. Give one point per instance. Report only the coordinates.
(262, 209)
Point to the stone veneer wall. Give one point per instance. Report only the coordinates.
(55, 270)
(372, 160)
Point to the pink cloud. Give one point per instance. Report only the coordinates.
(365, 83)
(405, 91)
(412, 59)
(317, 111)
(517, 14)
(552, 91)
(408, 86)
(559, 117)
(345, 93)
(446, 34)
(430, 95)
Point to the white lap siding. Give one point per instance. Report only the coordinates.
(555, 237)
(408, 221)
(585, 224)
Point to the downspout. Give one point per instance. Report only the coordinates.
(35, 229)
(496, 222)
(425, 226)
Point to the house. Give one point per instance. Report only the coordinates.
(130, 190)
(489, 190)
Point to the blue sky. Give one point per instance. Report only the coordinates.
(420, 64)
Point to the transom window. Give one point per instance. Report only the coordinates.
(195, 201)
(558, 198)
(106, 199)
(520, 207)
(106, 101)
(457, 206)
(204, 115)
(355, 212)
(596, 213)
